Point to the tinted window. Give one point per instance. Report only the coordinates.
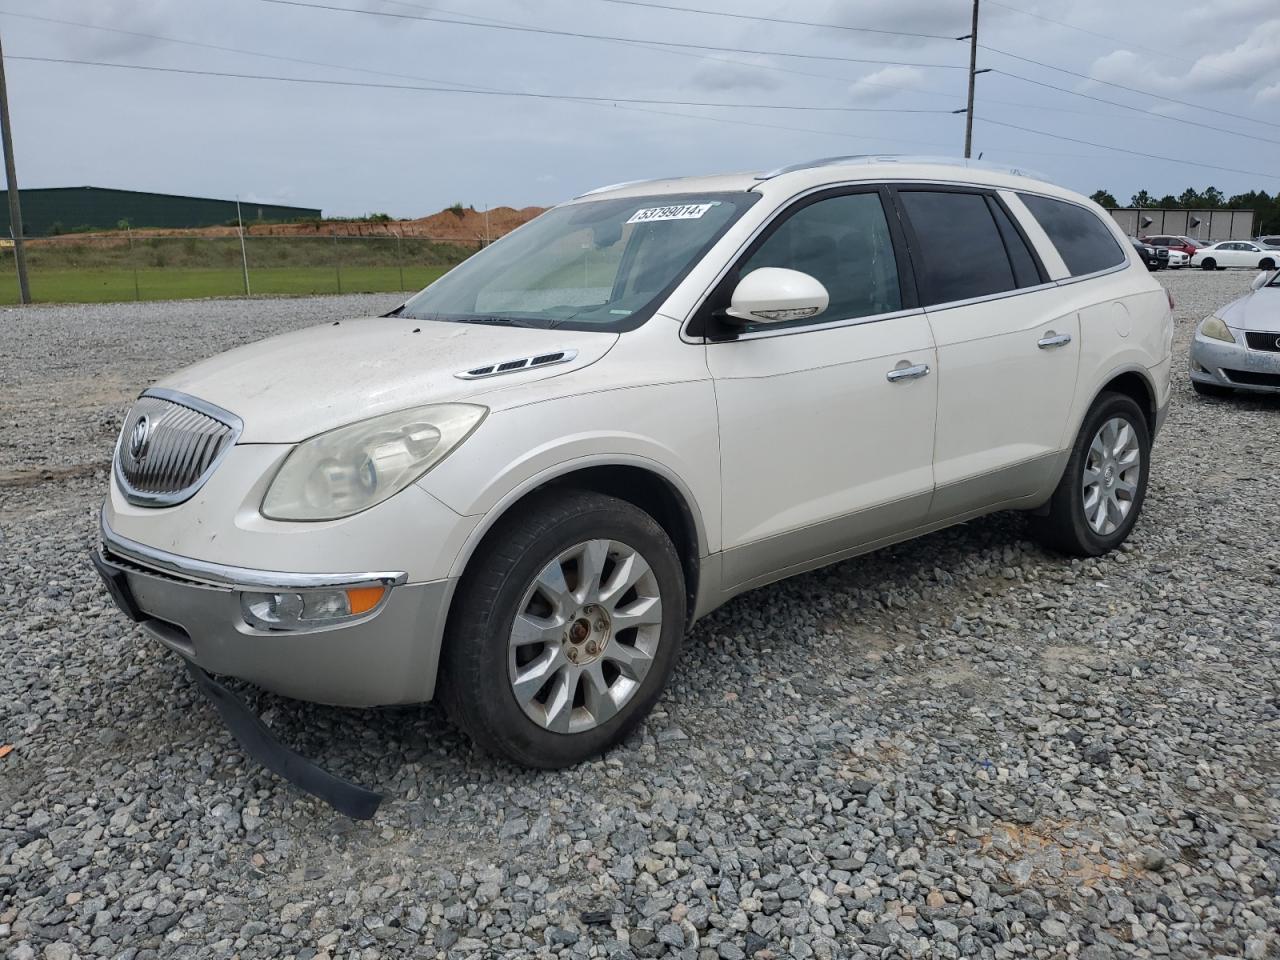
(1084, 242)
(1026, 269)
(844, 242)
(961, 252)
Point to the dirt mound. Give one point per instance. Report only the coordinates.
(464, 224)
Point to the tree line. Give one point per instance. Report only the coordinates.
(1265, 207)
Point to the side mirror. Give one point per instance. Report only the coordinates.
(775, 295)
(1260, 280)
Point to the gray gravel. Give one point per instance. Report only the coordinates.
(960, 747)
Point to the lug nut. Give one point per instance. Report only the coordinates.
(573, 654)
(592, 647)
(600, 625)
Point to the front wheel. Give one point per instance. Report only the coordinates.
(1100, 495)
(1267, 264)
(565, 629)
(1209, 264)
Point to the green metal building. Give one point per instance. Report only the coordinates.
(64, 209)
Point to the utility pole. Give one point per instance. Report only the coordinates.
(11, 183)
(973, 74)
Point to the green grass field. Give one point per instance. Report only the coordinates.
(174, 283)
(102, 270)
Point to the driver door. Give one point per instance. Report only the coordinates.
(826, 424)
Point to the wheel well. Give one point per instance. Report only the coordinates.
(1135, 386)
(642, 488)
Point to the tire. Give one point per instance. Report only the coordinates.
(1209, 264)
(481, 659)
(1267, 264)
(1067, 526)
(1210, 389)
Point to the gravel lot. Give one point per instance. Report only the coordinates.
(960, 747)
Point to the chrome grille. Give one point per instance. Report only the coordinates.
(169, 446)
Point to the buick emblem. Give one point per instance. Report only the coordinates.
(140, 438)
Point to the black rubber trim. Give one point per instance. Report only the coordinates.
(258, 742)
(117, 584)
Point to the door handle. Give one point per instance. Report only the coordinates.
(907, 373)
(1053, 340)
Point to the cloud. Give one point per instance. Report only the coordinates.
(1254, 58)
(727, 75)
(1269, 94)
(884, 84)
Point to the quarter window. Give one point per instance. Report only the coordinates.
(962, 254)
(1084, 242)
(844, 243)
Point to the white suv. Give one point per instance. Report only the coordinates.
(518, 490)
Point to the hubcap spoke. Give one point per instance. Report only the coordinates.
(596, 694)
(533, 676)
(551, 584)
(626, 574)
(632, 661)
(591, 568)
(529, 629)
(641, 612)
(559, 705)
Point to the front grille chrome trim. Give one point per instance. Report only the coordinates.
(162, 563)
(195, 438)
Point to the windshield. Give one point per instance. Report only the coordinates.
(599, 265)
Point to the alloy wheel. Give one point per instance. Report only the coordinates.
(585, 634)
(1112, 471)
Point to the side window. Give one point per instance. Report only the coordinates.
(843, 242)
(961, 251)
(1085, 243)
(1026, 269)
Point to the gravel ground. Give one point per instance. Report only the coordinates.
(959, 747)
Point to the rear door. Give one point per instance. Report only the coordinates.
(1007, 356)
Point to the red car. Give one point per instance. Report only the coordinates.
(1185, 244)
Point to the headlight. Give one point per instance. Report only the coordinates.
(1215, 329)
(350, 469)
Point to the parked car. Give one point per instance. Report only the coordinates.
(1173, 242)
(1155, 258)
(1238, 346)
(1271, 243)
(517, 491)
(1177, 259)
(1235, 253)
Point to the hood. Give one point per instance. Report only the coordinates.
(293, 386)
(1259, 310)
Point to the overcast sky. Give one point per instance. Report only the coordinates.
(354, 150)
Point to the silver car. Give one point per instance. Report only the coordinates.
(1238, 346)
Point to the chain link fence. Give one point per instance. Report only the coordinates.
(148, 266)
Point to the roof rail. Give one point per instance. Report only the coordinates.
(618, 186)
(867, 158)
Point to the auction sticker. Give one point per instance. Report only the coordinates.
(683, 211)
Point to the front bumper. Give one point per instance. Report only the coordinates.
(193, 607)
(1234, 365)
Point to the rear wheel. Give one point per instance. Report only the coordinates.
(1267, 264)
(1103, 487)
(563, 636)
(1210, 389)
(1209, 264)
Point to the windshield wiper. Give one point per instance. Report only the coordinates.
(502, 321)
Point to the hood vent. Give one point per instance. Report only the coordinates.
(511, 366)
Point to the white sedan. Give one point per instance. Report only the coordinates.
(1177, 259)
(1235, 253)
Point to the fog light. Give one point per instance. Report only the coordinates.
(309, 608)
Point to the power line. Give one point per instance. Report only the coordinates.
(1135, 153)
(476, 91)
(1108, 83)
(1126, 106)
(1124, 42)
(596, 36)
(778, 20)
